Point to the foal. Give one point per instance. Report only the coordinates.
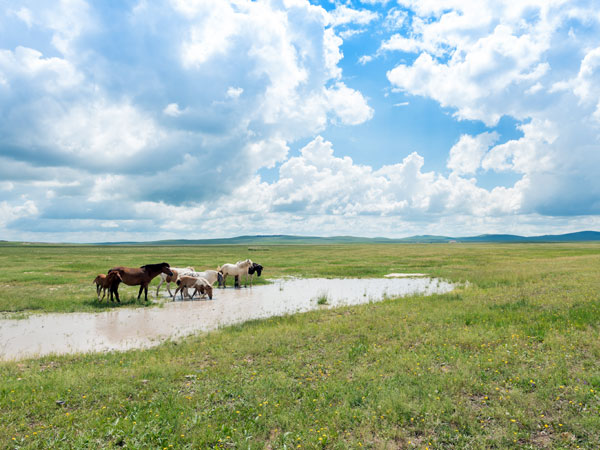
(104, 282)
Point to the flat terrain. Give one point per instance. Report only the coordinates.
(511, 361)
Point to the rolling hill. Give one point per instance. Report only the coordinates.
(281, 239)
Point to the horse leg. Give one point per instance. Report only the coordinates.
(179, 289)
(237, 281)
(160, 283)
(140, 293)
(146, 292)
(116, 291)
(224, 280)
(169, 288)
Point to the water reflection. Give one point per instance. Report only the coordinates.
(124, 328)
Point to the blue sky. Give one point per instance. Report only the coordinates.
(146, 120)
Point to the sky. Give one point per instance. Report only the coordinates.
(174, 119)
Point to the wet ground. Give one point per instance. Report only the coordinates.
(125, 328)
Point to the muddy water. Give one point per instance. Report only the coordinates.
(124, 328)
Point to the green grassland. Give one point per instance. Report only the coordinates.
(510, 360)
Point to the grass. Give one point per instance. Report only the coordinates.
(58, 278)
(511, 361)
(322, 299)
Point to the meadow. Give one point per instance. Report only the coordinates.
(508, 360)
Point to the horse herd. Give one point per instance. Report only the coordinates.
(184, 277)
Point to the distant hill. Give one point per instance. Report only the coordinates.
(581, 236)
(570, 237)
(282, 239)
(263, 239)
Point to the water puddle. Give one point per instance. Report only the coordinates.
(125, 328)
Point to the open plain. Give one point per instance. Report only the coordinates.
(509, 359)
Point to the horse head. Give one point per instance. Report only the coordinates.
(166, 268)
(246, 263)
(113, 275)
(158, 268)
(255, 268)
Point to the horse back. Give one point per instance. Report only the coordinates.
(132, 276)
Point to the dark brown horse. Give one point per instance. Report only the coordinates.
(133, 276)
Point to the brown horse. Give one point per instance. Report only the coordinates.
(133, 276)
(104, 282)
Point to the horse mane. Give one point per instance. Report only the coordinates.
(155, 266)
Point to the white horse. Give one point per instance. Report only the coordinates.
(209, 275)
(237, 270)
(177, 272)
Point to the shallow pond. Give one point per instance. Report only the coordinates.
(126, 328)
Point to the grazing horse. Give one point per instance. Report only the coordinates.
(209, 275)
(237, 270)
(201, 285)
(133, 276)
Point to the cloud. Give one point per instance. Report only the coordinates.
(586, 85)
(318, 190)
(466, 154)
(155, 119)
(401, 43)
(12, 212)
(476, 83)
(375, 2)
(343, 15)
(529, 60)
(317, 182)
(349, 105)
(395, 19)
(24, 14)
(233, 92)
(172, 109)
(365, 59)
(243, 81)
(314, 192)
